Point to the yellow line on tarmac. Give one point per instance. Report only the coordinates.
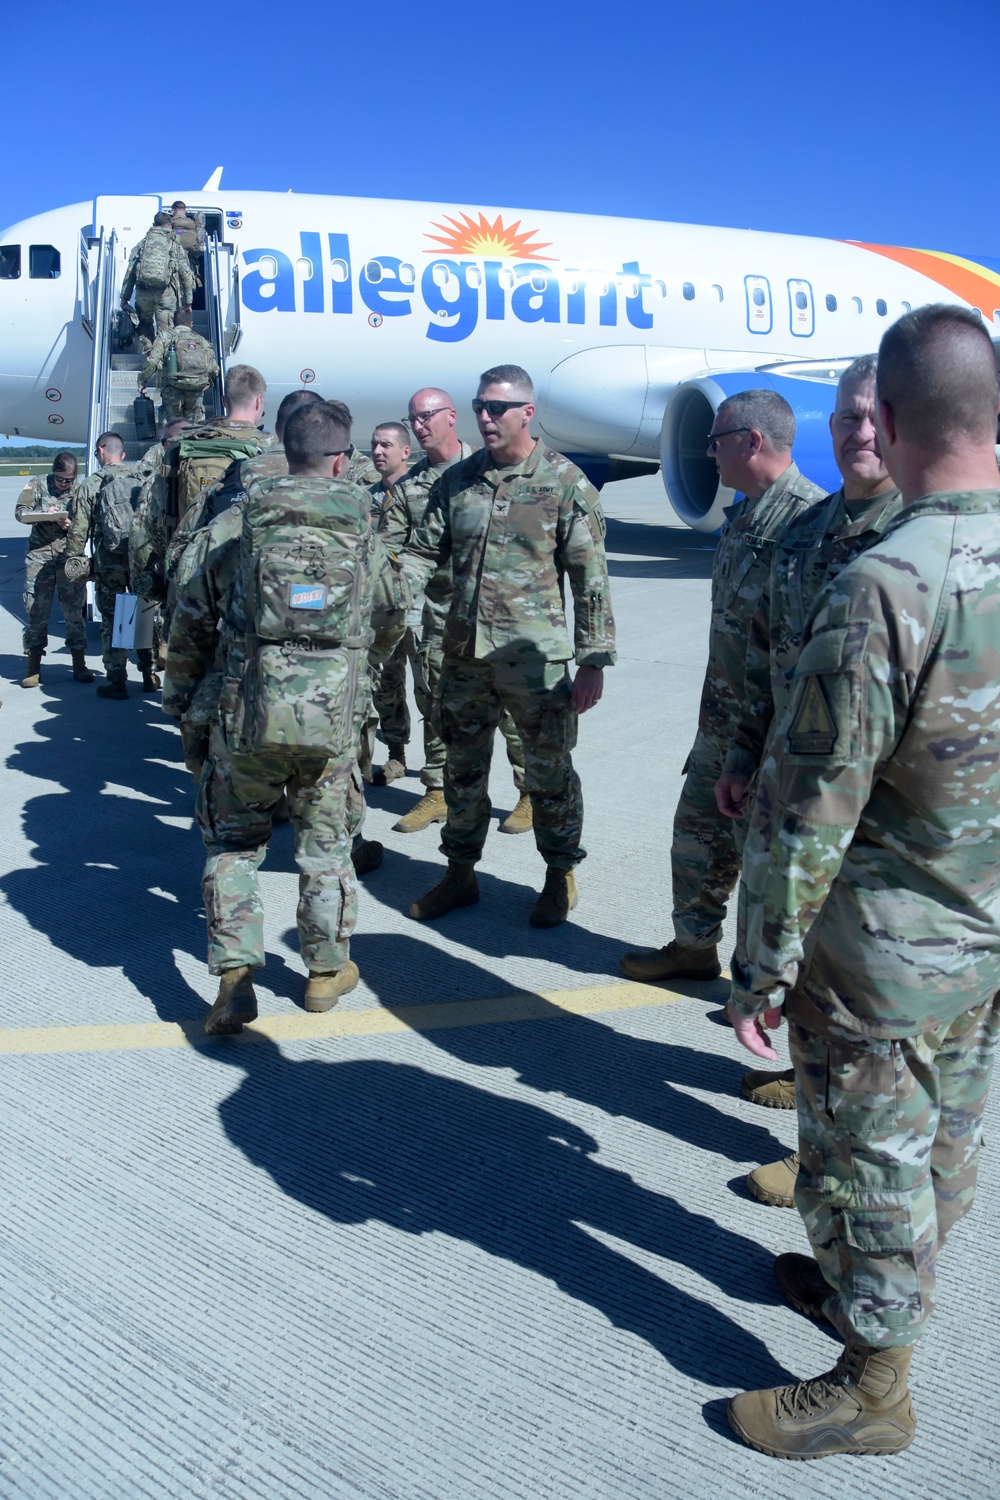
(586, 1000)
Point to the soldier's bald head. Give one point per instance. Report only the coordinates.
(937, 374)
(431, 398)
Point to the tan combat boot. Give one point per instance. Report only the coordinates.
(115, 687)
(392, 769)
(772, 1090)
(81, 672)
(324, 990)
(430, 809)
(803, 1285)
(33, 674)
(557, 900)
(672, 962)
(235, 1005)
(458, 888)
(774, 1184)
(521, 820)
(367, 856)
(861, 1406)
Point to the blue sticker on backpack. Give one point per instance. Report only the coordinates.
(306, 596)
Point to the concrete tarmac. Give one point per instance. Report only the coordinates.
(480, 1233)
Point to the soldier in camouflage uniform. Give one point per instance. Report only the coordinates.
(813, 549)
(391, 458)
(239, 792)
(871, 891)
(188, 365)
(44, 571)
(751, 441)
(156, 306)
(110, 569)
(514, 520)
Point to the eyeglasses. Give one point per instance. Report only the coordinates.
(336, 452)
(64, 478)
(495, 408)
(424, 417)
(713, 437)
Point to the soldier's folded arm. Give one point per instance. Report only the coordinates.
(581, 555)
(845, 717)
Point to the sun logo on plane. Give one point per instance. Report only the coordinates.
(468, 236)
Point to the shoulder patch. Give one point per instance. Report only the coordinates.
(812, 730)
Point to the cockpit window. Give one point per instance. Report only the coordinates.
(10, 262)
(44, 262)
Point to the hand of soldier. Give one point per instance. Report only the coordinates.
(65, 523)
(142, 390)
(588, 685)
(750, 1030)
(732, 793)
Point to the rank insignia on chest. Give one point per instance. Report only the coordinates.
(306, 596)
(813, 729)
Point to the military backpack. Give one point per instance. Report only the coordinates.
(116, 502)
(300, 624)
(154, 268)
(193, 464)
(193, 360)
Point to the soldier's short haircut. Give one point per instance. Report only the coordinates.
(184, 318)
(160, 219)
(859, 372)
(312, 432)
(938, 372)
(764, 411)
(509, 375)
(397, 429)
(178, 203)
(290, 404)
(243, 383)
(112, 442)
(344, 410)
(65, 462)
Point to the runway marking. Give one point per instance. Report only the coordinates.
(585, 1000)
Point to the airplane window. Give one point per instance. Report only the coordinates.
(538, 281)
(10, 262)
(304, 266)
(905, 306)
(338, 270)
(856, 304)
(996, 315)
(441, 275)
(505, 276)
(881, 308)
(630, 287)
(688, 291)
(758, 297)
(717, 290)
(44, 262)
(801, 301)
(268, 267)
(831, 302)
(373, 271)
(407, 275)
(660, 289)
(473, 276)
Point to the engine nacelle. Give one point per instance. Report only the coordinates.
(689, 474)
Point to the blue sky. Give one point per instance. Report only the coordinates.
(875, 121)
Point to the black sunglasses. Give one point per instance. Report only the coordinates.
(495, 408)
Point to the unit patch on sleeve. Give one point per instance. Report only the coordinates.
(813, 730)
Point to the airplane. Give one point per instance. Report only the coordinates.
(633, 330)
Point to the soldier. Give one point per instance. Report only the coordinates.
(360, 469)
(811, 551)
(244, 576)
(391, 457)
(871, 880)
(188, 366)
(103, 513)
(190, 233)
(159, 272)
(751, 442)
(513, 520)
(44, 570)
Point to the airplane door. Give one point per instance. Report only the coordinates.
(759, 312)
(128, 217)
(801, 309)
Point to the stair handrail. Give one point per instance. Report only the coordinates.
(100, 367)
(216, 326)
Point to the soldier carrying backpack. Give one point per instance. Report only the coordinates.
(103, 514)
(292, 590)
(160, 274)
(187, 366)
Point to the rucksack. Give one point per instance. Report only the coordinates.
(194, 359)
(195, 463)
(154, 268)
(300, 618)
(116, 502)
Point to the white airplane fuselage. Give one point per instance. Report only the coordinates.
(369, 299)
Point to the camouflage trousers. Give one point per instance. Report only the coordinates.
(110, 580)
(425, 653)
(472, 696)
(156, 307)
(706, 850)
(889, 1133)
(44, 576)
(237, 796)
(175, 404)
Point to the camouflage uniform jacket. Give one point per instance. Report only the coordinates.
(739, 574)
(40, 494)
(205, 579)
(180, 272)
(403, 512)
(360, 469)
(82, 525)
(870, 870)
(813, 549)
(165, 340)
(511, 535)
